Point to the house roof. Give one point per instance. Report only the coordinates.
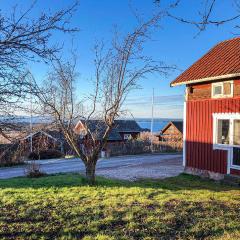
(54, 134)
(221, 62)
(177, 124)
(120, 126)
(127, 126)
(98, 127)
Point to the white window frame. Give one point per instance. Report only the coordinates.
(224, 116)
(222, 95)
(228, 147)
(127, 136)
(230, 155)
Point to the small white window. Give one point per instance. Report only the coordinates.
(127, 136)
(222, 89)
(217, 90)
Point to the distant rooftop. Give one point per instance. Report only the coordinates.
(124, 126)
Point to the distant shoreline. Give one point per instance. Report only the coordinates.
(158, 123)
(157, 119)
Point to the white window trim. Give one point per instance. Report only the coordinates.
(227, 147)
(231, 161)
(224, 116)
(222, 95)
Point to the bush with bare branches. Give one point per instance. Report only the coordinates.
(33, 170)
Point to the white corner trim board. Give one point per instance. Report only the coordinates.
(184, 132)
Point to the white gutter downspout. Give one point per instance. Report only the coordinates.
(184, 132)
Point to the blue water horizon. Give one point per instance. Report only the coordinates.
(158, 123)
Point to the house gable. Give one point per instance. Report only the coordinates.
(201, 91)
(80, 128)
(172, 129)
(42, 133)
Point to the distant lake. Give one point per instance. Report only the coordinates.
(158, 123)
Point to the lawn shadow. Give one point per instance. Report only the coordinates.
(179, 183)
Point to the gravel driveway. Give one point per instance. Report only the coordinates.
(124, 167)
(148, 166)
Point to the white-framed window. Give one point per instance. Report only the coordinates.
(226, 130)
(226, 136)
(235, 158)
(127, 136)
(222, 89)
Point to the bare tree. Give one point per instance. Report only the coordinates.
(118, 69)
(24, 38)
(205, 13)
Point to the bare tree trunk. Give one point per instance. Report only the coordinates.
(90, 171)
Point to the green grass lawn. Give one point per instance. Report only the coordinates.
(65, 207)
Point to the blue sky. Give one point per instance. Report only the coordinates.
(174, 43)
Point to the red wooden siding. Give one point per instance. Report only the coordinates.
(199, 133)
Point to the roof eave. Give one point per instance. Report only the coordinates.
(232, 75)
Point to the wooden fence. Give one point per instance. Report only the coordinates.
(139, 147)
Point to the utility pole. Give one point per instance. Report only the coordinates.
(31, 142)
(152, 120)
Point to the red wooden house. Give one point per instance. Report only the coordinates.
(122, 130)
(173, 131)
(212, 112)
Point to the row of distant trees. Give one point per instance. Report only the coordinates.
(118, 67)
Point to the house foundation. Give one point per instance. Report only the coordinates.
(204, 173)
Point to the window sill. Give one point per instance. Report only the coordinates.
(222, 96)
(224, 146)
(221, 146)
(235, 167)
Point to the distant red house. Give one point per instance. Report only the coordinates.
(173, 131)
(122, 130)
(212, 112)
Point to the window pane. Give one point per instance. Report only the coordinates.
(223, 132)
(236, 156)
(127, 136)
(236, 132)
(227, 88)
(217, 90)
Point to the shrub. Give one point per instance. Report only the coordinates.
(33, 156)
(139, 146)
(45, 154)
(11, 154)
(33, 170)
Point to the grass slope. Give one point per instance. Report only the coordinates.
(65, 207)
